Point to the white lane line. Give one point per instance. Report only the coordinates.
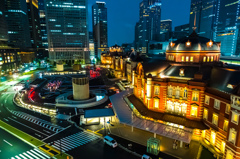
(41, 153)
(17, 157)
(5, 119)
(47, 131)
(7, 142)
(22, 156)
(32, 155)
(37, 154)
(28, 155)
(14, 117)
(27, 126)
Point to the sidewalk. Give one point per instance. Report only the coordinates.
(166, 145)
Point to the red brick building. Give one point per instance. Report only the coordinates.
(193, 90)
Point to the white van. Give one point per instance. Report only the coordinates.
(110, 141)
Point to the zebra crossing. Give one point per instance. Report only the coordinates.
(32, 154)
(73, 141)
(38, 121)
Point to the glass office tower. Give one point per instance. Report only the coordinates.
(18, 25)
(3, 24)
(43, 26)
(67, 30)
(100, 28)
(148, 27)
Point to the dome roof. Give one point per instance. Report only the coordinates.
(193, 43)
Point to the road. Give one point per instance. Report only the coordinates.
(11, 146)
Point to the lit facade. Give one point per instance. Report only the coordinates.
(190, 86)
(17, 15)
(67, 30)
(43, 25)
(3, 24)
(100, 27)
(148, 27)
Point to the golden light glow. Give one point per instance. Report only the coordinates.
(188, 43)
(213, 137)
(172, 44)
(210, 43)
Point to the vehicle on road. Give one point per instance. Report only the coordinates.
(146, 157)
(110, 141)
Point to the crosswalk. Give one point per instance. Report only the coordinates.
(73, 141)
(32, 154)
(40, 122)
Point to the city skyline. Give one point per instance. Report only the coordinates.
(121, 25)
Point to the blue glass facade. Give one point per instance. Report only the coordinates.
(67, 29)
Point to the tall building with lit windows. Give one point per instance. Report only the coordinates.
(227, 27)
(34, 23)
(16, 15)
(3, 24)
(149, 23)
(43, 25)
(67, 30)
(100, 27)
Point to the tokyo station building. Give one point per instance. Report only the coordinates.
(194, 91)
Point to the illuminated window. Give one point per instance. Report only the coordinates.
(228, 107)
(208, 58)
(223, 146)
(185, 94)
(194, 110)
(195, 95)
(229, 154)
(211, 58)
(207, 99)
(235, 117)
(232, 136)
(205, 114)
(156, 90)
(187, 58)
(156, 103)
(182, 58)
(170, 92)
(191, 59)
(225, 125)
(217, 104)
(170, 106)
(177, 93)
(204, 59)
(213, 137)
(215, 119)
(203, 133)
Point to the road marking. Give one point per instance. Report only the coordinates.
(27, 126)
(8, 143)
(14, 117)
(22, 156)
(38, 135)
(5, 119)
(46, 131)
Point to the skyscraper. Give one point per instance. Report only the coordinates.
(67, 30)
(100, 29)
(227, 27)
(3, 24)
(18, 26)
(149, 23)
(43, 25)
(165, 30)
(34, 23)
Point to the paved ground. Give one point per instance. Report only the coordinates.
(10, 145)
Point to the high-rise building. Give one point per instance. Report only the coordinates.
(100, 29)
(18, 26)
(67, 30)
(184, 27)
(227, 27)
(3, 24)
(34, 23)
(218, 20)
(149, 24)
(165, 30)
(43, 25)
(180, 32)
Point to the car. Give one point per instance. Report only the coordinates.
(110, 141)
(146, 157)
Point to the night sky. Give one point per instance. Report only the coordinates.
(123, 15)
